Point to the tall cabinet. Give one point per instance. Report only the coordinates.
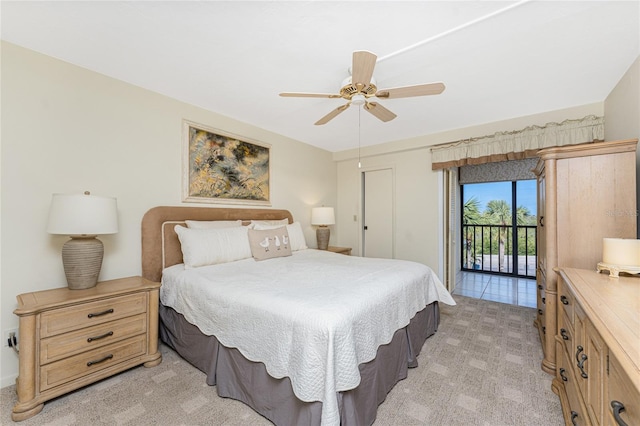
(585, 193)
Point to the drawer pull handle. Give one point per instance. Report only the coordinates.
(574, 416)
(91, 339)
(99, 314)
(542, 221)
(564, 300)
(581, 361)
(562, 371)
(544, 299)
(539, 286)
(563, 333)
(539, 311)
(106, 358)
(618, 407)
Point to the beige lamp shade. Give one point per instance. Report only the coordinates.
(323, 216)
(82, 214)
(82, 217)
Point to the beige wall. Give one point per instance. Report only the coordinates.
(66, 129)
(622, 106)
(415, 216)
(418, 189)
(622, 114)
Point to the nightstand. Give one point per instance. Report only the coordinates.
(341, 250)
(72, 338)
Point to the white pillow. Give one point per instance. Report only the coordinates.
(201, 247)
(212, 224)
(279, 222)
(296, 236)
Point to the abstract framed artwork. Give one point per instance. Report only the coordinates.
(220, 167)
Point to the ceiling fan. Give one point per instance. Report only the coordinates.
(361, 86)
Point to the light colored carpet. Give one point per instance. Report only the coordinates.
(481, 368)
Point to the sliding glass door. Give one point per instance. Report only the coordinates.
(496, 237)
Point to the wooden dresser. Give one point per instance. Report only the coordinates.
(585, 193)
(598, 348)
(71, 338)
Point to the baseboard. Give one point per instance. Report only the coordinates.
(8, 381)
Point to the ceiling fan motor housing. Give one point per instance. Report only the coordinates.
(349, 88)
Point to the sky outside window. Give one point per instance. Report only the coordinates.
(485, 192)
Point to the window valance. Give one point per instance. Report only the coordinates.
(517, 145)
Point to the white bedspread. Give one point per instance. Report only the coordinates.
(322, 313)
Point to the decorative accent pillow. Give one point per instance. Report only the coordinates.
(202, 247)
(280, 222)
(296, 235)
(269, 243)
(212, 224)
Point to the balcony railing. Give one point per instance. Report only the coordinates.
(490, 248)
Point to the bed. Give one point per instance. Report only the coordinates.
(311, 337)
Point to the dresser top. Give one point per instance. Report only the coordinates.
(38, 301)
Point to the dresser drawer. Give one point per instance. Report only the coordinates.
(566, 301)
(622, 390)
(64, 345)
(577, 413)
(565, 332)
(89, 314)
(63, 371)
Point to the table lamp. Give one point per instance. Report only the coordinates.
(82, 217)
(322, 216)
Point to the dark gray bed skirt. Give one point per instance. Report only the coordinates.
(247, 381)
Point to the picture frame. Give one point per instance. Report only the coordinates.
(221, 167)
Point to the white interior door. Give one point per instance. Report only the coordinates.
(378, 213)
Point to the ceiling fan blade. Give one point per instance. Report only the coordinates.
(379, 111)
(362, 67)
(332, 114)
(309, 95)
(409, 91)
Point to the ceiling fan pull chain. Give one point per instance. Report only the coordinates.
(359, 132)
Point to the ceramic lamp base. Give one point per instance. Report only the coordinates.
(82, 260)
(322, 235)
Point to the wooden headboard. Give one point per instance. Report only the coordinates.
(160, 244)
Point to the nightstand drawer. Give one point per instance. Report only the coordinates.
(60, 372)
(88, 314)
(64, 345)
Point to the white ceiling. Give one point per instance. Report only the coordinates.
(498, 59)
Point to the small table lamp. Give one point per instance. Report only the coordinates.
(82, 217)
(322, 216)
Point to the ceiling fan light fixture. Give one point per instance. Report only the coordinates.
(358, 99)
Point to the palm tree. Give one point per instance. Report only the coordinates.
(524, 217)
(470, 216)
(471, 211)
(499, 212)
